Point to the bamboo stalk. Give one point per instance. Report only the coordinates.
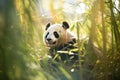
(105, 63)
(79, 55)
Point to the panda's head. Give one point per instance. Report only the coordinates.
(55, 34)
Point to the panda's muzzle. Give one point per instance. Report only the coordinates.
(49, 41)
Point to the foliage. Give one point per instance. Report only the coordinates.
(23, 53)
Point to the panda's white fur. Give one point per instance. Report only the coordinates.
(63, 35)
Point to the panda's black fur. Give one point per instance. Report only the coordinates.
(61, 48)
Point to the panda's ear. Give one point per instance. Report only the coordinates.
(65, 25)
(47, 26)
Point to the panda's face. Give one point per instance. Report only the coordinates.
(53, 34)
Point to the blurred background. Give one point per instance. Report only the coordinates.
(22, 24)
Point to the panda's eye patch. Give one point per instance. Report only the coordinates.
(47, 35)
(56, 34)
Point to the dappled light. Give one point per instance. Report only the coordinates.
(25, 56)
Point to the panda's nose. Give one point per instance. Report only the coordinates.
(48, 39)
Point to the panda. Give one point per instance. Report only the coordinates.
(58, 35)
(58, 38)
